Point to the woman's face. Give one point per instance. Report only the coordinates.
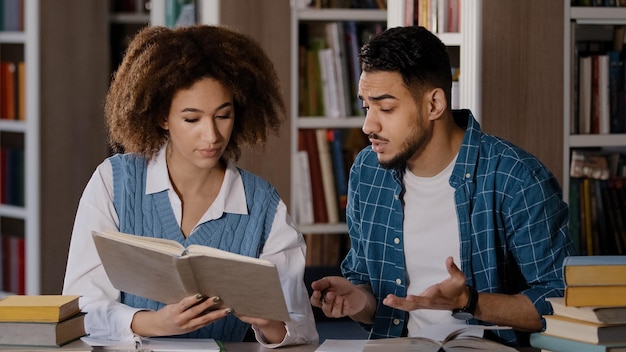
(200, 123)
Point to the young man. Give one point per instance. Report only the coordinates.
(433, 191)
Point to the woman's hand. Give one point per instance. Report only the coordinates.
(273, 331)
(190, 314)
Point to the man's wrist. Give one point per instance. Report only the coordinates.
(468, 311)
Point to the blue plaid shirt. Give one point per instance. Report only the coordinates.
(512, 226)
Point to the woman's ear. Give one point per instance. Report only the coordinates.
(164, 125)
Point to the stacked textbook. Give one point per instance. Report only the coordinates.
(40, 320)
(592, 315)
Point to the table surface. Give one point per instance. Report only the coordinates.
(255, 347)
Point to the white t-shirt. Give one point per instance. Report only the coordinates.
(431, 234)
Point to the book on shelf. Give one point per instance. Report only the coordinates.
(165, 271)
(593, 314)
(335, 37)
(336, 139)
(328, 81)
(328, 178)
(584, 331)
(8, 94)
(594, 270)
(38, 308)
(560, 344)
(304, 200)
(21, 91)
(307, 141)
(38, 333)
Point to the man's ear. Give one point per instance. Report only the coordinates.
(438, 103)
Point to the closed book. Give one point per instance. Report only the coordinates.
(584, 331)
(601, 296)
(165, 271)
(38, 308)
(42, 334)
(595, 270)
(601, 315)
(561, 344)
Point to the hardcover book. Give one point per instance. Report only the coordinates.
(600, 315)
(561, 344)
(163, 270)
(49, 334)
(584, 331)
(38, 308)
(595, 270)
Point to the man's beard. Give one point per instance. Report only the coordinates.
(411, 145)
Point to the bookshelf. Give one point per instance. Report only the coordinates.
(61, 136)
(19, 225)
(581, 25)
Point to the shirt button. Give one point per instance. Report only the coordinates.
(396, 240)
(396, 322)
(398, 281)
(468, 175)
(396, 197)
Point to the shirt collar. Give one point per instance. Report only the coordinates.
(231, 198)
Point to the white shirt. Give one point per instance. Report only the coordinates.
(431, 235)
(107, 318)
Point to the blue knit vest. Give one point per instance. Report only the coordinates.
(151, 215)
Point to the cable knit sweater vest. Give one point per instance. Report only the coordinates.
(151, 215)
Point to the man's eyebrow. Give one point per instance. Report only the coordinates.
(378, 97)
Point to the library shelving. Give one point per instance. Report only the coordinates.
(59, 138)
(19, 159)
(589, 34)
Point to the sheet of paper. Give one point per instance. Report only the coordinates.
(336, 345)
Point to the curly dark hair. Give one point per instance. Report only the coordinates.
(416, 53)
(160, 61)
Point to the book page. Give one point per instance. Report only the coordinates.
(145, 272)
(159, 244)
(218, 253)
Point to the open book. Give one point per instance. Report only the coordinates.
(163, 270)
(467, 338)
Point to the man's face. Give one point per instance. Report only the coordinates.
(397, 124)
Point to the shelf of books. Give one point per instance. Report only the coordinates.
(326, 119)
(595, 127)
(19, 148)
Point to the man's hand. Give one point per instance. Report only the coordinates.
(338, 297)
(448, 294)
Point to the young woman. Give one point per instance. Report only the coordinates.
(181, 105)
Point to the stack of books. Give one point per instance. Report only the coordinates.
(592, 315)
(40, 320)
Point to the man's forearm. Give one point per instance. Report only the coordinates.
(516, 311)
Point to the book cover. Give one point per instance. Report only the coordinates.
(309, 143)
(8, 84)
(601, 296)
(163, 270)
(328, 180)
(50, 334)
(584, 331)
(38, 308)
(335, 37)
(561, 344)
(600, 315)
(594, 270)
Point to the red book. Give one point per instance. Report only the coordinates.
(8, 80)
